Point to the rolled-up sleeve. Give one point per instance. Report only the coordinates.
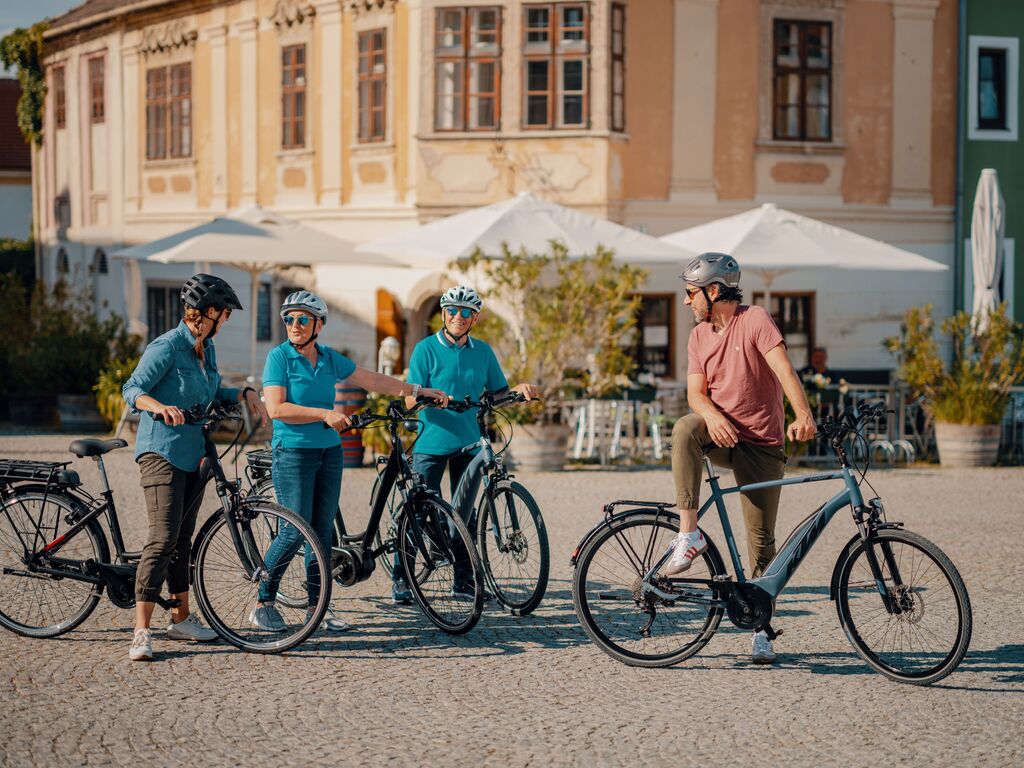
(155, 362)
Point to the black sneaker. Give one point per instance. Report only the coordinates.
(466, 591)
(400, 592)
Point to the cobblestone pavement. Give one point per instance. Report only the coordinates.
(533, 690)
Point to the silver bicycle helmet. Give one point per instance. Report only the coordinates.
(711, 268)
(307, 302)
(462, 296)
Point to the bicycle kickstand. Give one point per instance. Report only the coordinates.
(168, 603)
(772, 634)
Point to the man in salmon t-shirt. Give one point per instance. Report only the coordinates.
(737, 372)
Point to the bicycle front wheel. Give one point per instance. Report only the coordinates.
(642, 629)
(229, 587)
(45, 605)
(928, 637)
(444, 574)
(266, 488)
(513, 546)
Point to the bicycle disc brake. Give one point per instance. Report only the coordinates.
(749, 606)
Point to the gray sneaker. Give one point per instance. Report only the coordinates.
(191, 629)
(265, 616)
(762, 652)
(142, 646)
(331, 623)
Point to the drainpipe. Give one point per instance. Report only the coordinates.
(961, 137)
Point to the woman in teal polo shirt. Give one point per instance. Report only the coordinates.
(177, 371)
(298, 385)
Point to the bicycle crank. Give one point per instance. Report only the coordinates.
(749, 606)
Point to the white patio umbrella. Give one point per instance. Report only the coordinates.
(253, 240)
(769, 242)
(524, 221)
(987, 228)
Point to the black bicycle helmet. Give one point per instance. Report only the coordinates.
(202, 291)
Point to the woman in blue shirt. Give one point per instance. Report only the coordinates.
(298, 385)
(177, 371)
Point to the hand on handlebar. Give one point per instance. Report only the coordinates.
(528, 391)
(337, 421)
(171, 415)
(434, 395)
(802, 428)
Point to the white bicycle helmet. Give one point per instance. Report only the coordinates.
(307, 302)
(462, 296)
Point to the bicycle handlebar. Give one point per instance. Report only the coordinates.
(851, 419)
(216, 410)
(488, 401)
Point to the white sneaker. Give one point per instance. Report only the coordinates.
(268, 618)
(762, 649)
(331, 622)
(142, 646)
(687, 547)
(190, 629)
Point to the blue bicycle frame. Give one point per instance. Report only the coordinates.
(800, 541)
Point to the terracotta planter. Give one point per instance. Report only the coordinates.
(967, 445)
(78, 413)
(540, 447)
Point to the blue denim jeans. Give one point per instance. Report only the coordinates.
(308, 482)
(432, 468)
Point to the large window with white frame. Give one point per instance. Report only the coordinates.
(293, 97)
(467, 69)
(556, 71)
(373, 78)
(169, 112)
(992, 82)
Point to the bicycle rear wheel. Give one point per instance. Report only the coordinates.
(447, 582)
(228, 592)
(929, 637)
(266, 488)
(513, 547)
(639, 630)
(44, 605)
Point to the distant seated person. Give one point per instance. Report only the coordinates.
(819, 364)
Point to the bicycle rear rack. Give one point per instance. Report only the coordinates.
(49, 472)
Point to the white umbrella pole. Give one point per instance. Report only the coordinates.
(254, 285)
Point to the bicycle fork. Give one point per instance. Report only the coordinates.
(866, 518)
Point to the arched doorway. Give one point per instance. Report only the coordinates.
(391, 322)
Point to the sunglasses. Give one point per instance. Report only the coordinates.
(302, 320)
(691, 292)
(464, 311)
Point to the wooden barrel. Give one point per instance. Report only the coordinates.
(964, 445)
(348, 400)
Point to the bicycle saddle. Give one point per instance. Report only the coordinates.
(92, 447)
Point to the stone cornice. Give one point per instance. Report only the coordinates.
(168, 37)
(288, 13)
(365, 6)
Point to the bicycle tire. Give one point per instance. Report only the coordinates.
(265, 488)
(448, 540)
(863, 625)
(25, 613)
(628, 644)
(227, 593)
(516, 587)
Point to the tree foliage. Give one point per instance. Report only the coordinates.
(23, 49)
(559, 323)
(975, 387)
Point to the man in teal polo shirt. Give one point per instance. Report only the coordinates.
(452, 361)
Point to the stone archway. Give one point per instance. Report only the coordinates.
(391, 322)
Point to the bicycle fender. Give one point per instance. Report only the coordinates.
(845, 555)
(608, 521)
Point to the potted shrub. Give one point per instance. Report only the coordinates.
(561, 324)
(966, 400)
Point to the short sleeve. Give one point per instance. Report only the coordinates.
(419, 372)
(275, 370)
(343, 367)
(496, 380)
(693, 363)
(763, 331)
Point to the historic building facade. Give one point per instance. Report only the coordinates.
(359, 116)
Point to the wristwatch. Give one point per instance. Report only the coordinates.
(415, 390)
